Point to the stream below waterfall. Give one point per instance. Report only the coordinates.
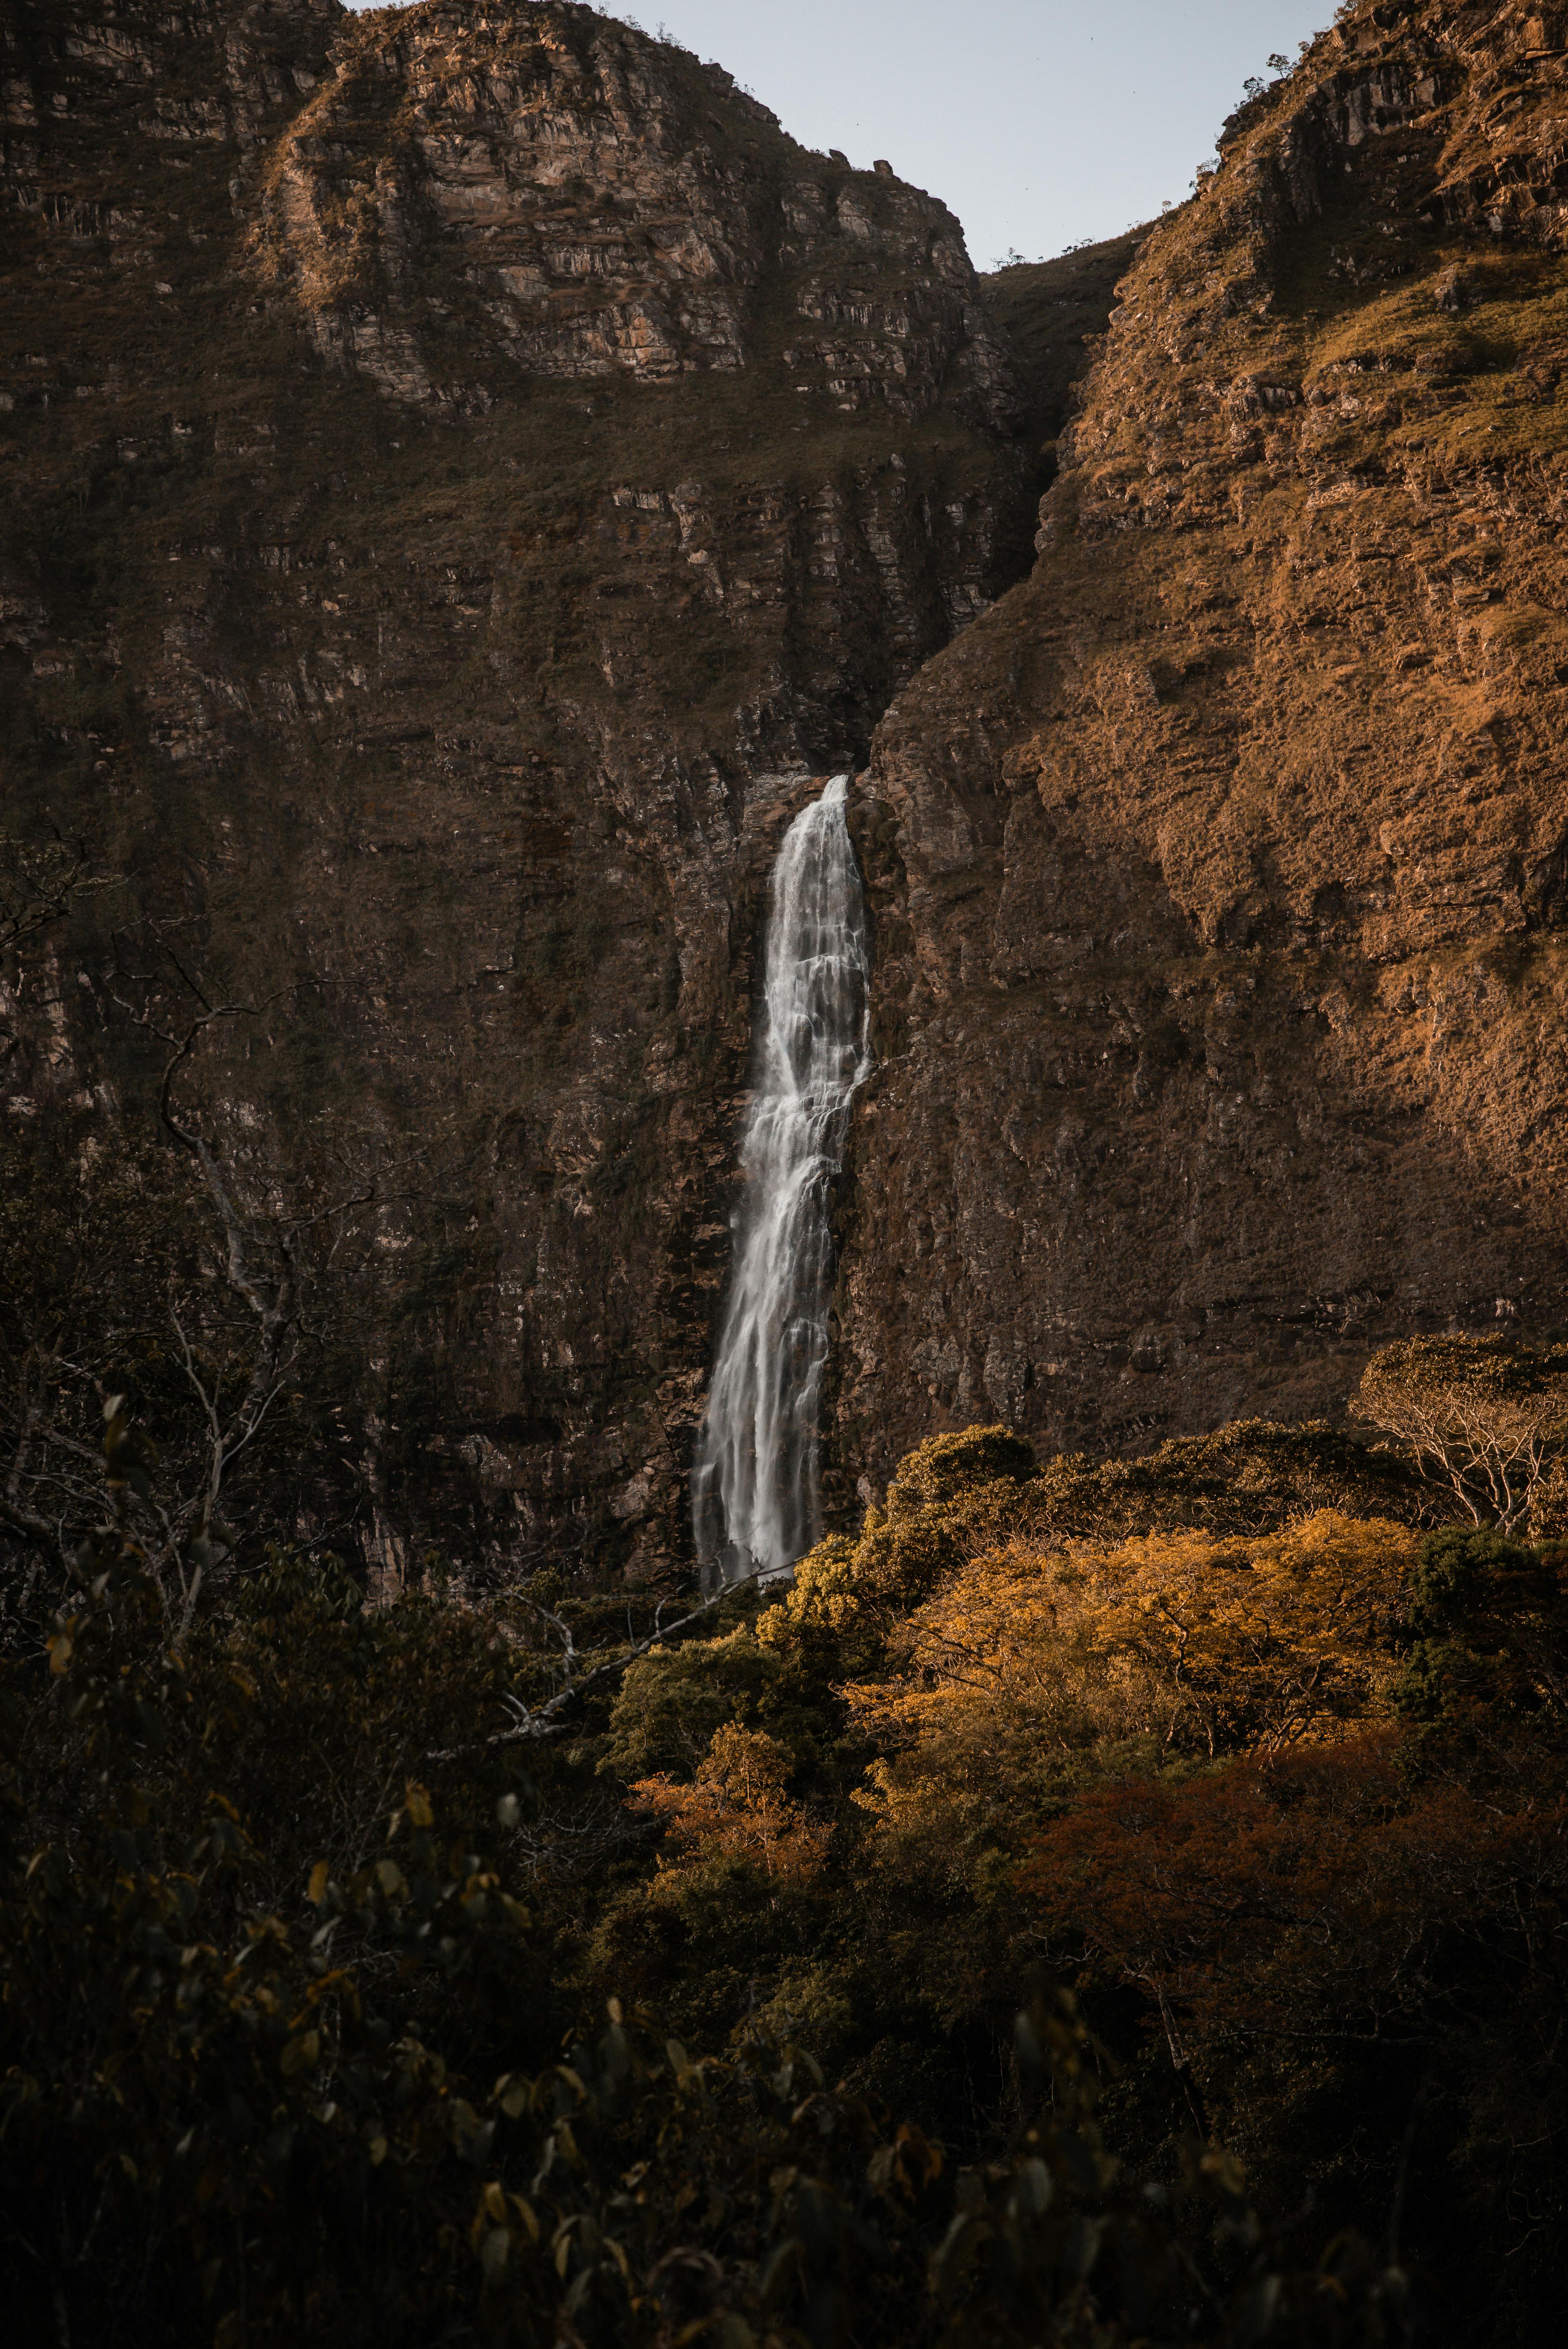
(755, 1499)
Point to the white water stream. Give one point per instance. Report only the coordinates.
(754, 1488)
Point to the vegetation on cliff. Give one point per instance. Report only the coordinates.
(1098, 1903)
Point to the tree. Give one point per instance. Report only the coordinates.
(239, 2105)
(227, 1293)
(1488, 1652)
(671, 1701)
(738, 1808)
(1327, 1932)
(1479, 1415)
(958, 1498)
(1176, 1642)
(40, 882)
(145, 1283)
(953, 1496)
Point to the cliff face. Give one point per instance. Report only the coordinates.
(462, 472)
(1221, 870)
(540, 186)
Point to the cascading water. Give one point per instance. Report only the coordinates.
(754, 1488)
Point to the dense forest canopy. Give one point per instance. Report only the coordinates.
(1096, 1902)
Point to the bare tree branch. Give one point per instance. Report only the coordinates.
(38, 1532)
(39, 882)
(530, 1723)
(1483, 1417)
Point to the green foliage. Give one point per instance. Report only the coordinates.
(953, 1496)
(294, 1581)
(945, 1466)
(1490, 1620)
(1250, 1476)
(277, 2087)
(1455, 1568)
(232, 2103)
(671, 1703)
(827, 1619)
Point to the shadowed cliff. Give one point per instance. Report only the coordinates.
(1220, 869)
(464, 471)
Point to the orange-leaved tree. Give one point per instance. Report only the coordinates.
(1302, 1887)
(738, 1808)
(1028, 1663)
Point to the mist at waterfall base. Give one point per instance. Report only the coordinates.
(755, 1496)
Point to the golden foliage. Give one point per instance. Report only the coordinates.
(827, 1605)
(1029, 1661)
(957, 1498)
(737, 1808)
(1259, 1643)
(954, 1498)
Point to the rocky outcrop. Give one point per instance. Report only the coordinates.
(463, 470)
(543, 187)
(1220, 870)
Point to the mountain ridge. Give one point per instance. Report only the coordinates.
(467, 475)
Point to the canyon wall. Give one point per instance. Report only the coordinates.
(463, 472)
(466, 475)
(1220, 871)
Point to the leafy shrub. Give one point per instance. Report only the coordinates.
(1490, 1646)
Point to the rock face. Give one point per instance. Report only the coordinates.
(540, 186)
(1220, 871)
(462, 473)
(465, 471)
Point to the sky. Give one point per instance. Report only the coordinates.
(1040, 122)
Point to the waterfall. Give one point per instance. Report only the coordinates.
(754, 1488)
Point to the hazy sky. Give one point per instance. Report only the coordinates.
(1040, 121)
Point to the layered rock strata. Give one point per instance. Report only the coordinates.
(465, 471)
(462, 472)
(1220, 871)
